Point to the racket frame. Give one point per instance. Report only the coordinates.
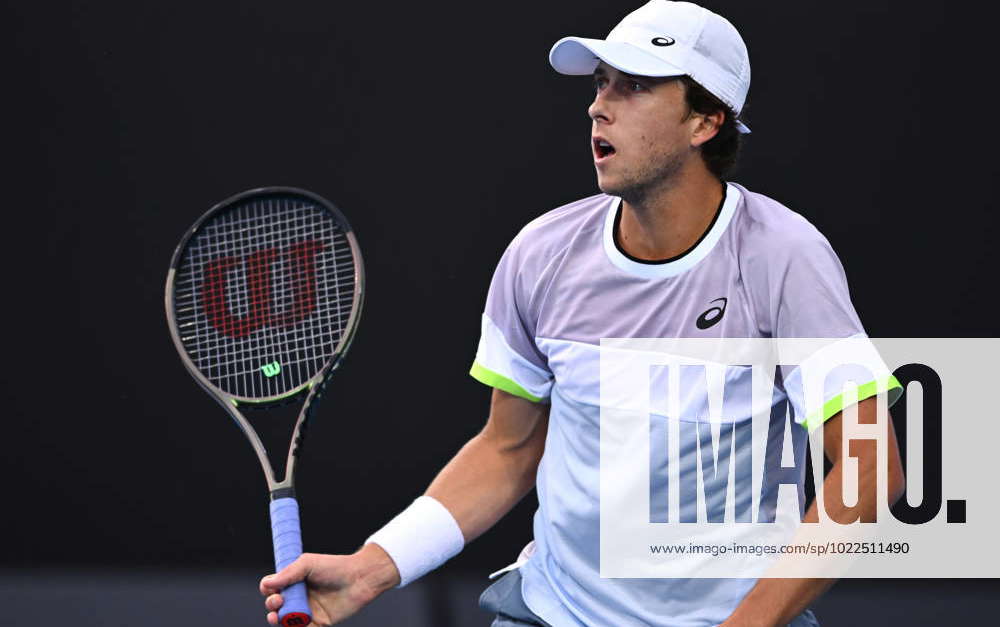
(285, 486)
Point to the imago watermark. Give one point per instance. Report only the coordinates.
(716, 457)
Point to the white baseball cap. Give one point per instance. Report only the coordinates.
(664, 38)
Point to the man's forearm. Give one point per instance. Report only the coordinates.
(486, 479)
(774, 602)
(480, 484)
(778, 601)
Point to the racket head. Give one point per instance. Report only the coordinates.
(264, 294)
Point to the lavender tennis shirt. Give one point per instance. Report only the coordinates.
(562, 285)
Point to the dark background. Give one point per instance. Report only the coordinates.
(440, 130)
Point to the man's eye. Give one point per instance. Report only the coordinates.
(634, 86)
(599, 84)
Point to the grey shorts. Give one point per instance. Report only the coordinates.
(503, 598)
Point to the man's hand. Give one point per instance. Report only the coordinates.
(338, 585)
(484, 480)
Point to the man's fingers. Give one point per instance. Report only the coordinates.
(272, 585)
(294, 572)
(265, 589)
(274, 602)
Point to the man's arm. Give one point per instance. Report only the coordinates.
(487, 477)
(774, 602)
(495, 469)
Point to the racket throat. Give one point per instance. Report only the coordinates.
(287, 492)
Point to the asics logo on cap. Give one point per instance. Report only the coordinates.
(664, 41)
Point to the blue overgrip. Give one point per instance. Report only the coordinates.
(287, 535)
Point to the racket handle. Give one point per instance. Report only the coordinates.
(287, 535)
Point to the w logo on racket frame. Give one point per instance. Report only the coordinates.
(300, 263)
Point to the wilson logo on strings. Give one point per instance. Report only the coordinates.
(271, 369)
(300, 260)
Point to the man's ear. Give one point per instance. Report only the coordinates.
(707, 128)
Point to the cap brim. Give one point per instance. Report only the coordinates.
(578, 56)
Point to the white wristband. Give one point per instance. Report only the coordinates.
(421, 538)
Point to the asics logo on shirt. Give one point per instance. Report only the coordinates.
(712, 316)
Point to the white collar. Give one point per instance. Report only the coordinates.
(678, 265)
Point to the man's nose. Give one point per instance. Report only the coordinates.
(598, 109)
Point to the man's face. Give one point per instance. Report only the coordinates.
(641, 134)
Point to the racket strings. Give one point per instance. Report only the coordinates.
(263, 295)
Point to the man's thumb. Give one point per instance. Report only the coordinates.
(293, 573)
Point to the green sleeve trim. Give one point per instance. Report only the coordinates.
(836, 404)
(500, 382)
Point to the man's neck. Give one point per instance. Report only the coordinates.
(668, 221)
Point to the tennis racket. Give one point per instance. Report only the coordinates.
(263, 297)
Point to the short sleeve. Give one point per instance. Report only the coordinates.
(507, 357)
(804, 294)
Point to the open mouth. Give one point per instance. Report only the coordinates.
(603, 148)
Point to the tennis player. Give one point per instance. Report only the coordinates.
(669, 249)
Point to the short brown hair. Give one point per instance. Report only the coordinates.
(722, 151)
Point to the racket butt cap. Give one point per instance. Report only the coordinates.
(295, 619)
